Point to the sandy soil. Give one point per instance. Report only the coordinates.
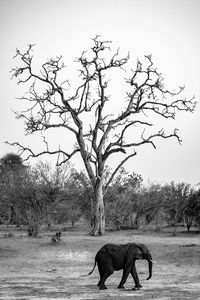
(34, 268)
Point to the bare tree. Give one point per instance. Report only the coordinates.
(99, 134)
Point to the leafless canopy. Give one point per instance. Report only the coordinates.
(54, 103)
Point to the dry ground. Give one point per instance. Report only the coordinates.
(33, 268)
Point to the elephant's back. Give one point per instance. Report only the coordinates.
(115, 253)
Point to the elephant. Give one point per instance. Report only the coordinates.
(114, 257)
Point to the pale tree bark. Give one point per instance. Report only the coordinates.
(99, 213)
(106, 135)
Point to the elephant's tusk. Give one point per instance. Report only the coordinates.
(153, 261)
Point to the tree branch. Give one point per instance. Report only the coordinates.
(116, 170)
(23, 149)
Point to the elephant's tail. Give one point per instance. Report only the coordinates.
(90, 272)
(93, 267)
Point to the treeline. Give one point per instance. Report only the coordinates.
(39, 195)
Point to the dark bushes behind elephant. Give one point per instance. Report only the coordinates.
(113, 257)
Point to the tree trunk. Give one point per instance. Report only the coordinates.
(92, 214)
(135, 224)
(99, 211)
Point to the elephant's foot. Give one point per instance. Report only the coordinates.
(121, 287)
(137, 287)
(101, 286)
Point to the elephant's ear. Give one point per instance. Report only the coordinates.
(143, 248)
(135, 251)
(145, 251)
(138, 251)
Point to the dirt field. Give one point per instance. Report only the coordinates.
(33, 268)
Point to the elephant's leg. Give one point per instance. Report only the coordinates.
(100, 273)
(103, 278)
(125, 274)
(105, 270)
(135, 277)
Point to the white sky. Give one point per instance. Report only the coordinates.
(167, 29)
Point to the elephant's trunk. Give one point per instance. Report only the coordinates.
(150, 268)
